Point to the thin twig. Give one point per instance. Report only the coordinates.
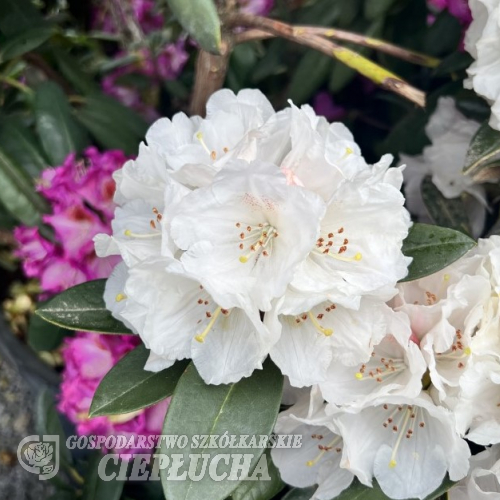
(347, 36)
(374, 72)
(12, 82)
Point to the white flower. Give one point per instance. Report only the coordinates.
(177, 318)
(395, 366)
(357, 253)
(195, 149)
(408, 445)
(317, 461)
(482, 41)
(450, 133)
(246, 233)
(483, 480)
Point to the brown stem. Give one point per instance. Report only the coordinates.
(210, 75)
(374, 72)
(347, 36)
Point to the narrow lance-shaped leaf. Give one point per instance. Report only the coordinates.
(247, 408)
(433, 248)
(484, 151)
(20, 43)
(59, 133)
(17, 193)
(200, 19)
(82, 307)
(127, 387)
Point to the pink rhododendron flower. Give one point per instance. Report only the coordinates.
(457, 8)
(257, 7)
(324, 105)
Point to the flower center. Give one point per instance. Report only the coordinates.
(315, 320)
(402, 421)
(323, 449)
(334, 245)
(211, 152)
(211, 315)
(457, 352)
(152, 225)
(256, 240)
(380, 368)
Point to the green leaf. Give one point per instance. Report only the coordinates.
(71, 69)
(445, 212)
(19, 142)
(200, 19)
(82, 307)
(300, 493)
(433, 248)
(59, 133)
(20, 43)
(113, 125)
(309, 75)
(248, 407)
(484, 150)
(95, 488)
(260, 490)
(43, 336)
(17, 193)
(127, 387)
(48, 423)
(17, 16)
(457, 61)
(372, 10)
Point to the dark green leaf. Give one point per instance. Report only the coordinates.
(445, 212)
(59, 133)
(249, 407)
(373, 10)
(48, 423)
(17, 16)
(127, 387)
(17, 140)
(200, 19)
(113, 125)
(309, 75)
(484, 150)
(17, 193)
(433, 248)
(458, 61)
(443, 36)
(20, 43)
(43, 336)
(300, 493)
(72, 71)
(96, 488)
(82, 308)
(260, 490)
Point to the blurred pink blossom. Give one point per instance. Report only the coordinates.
(256, 7)
(324, 105)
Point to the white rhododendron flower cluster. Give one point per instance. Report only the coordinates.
(252, 233)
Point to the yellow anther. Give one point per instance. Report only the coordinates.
(201, 337)
(467, 351)
(359, 376)
(356, 258)
(119, 297)
(127, 232)
(243, 259)
(392, 464)
(349, 151)
(446, 277)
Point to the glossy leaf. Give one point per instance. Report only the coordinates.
(484, 150)
(17, 192)
(260, 490)
(433, 248)
(59, 133)
(82, 307)
(43, 336)
(113, 125)
(445, 212)
(249, 407)
(200, 19)
(95, 488)
(20, 43)
(127, 387)
(17, 140)
(17, 16)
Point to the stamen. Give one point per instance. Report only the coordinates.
(325, 331)
(199, 136)
(392, 462)
(323, 450)
(130, 234)
(119, 297)
(356, 258)
(201, 338)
